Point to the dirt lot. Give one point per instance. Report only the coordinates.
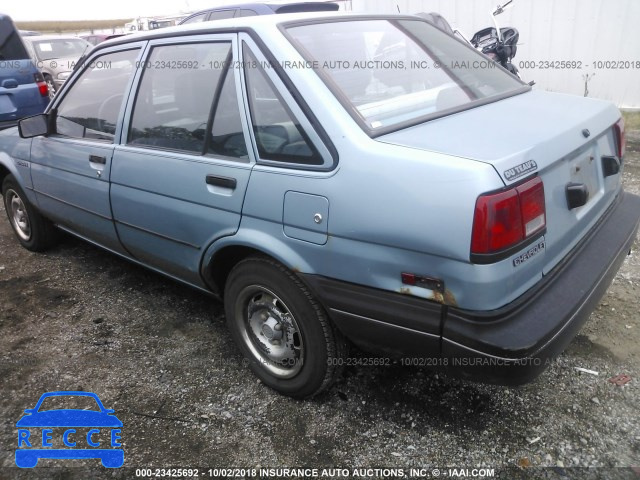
(78, 318)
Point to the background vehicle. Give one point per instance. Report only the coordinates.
(499, 44)
(253, 9)
(96, 38)
(23, 91)
(142, 24)
(56, 56)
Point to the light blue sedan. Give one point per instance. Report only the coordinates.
(337, 178)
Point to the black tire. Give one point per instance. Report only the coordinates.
(311, 348)
(34, 232)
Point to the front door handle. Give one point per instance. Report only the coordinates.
(224, 182)
(98, 159)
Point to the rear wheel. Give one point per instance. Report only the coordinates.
(34, 232)
(282, 330)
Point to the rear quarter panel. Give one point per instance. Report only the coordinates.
(392, 209)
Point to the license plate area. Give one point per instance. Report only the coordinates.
(584, 170)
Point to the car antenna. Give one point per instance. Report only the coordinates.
(398, 7)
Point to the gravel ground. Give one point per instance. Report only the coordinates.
(77, 318)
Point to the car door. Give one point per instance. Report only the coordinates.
(180, 174)
(70, 168)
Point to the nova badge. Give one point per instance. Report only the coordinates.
(521, 170)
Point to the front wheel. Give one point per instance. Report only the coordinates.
(34, 232)
(282, 330)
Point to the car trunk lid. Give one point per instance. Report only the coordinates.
(561, 138)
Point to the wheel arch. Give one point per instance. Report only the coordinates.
(8, 167)
(224, 254)
(4, 171)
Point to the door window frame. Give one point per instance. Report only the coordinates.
(73, 79)
(295, 104)
(137, 82)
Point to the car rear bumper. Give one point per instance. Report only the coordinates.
(509, 346)
(515, 344)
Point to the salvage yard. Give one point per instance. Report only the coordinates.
(77, 318)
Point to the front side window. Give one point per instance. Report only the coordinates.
(91, 107)
(279, 135)
(393, 72)
(187, 101)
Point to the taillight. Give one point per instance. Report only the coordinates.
(504, 219)
(621, 140)
(42, 85)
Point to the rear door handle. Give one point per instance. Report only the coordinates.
(224, 182)
(98, 159)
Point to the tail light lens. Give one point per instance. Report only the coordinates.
(42, 85)
(503, 220)
(621, 139)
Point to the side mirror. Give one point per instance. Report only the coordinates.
(109, 411)
(30, 410)
(35, 126)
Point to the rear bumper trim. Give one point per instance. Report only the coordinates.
(509, 346)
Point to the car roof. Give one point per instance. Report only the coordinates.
(245, 23)
(270, 8)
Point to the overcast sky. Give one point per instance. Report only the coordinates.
(23, 10)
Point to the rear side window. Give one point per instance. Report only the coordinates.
(227, 137)
(11, 47)
(222, 14)
(91, 107)
(247, 13)
(279, 135)
(175, 107)
(195, 19)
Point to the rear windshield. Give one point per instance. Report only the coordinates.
(60, 48)
(11, 47)
(400, 72)
(307, 7)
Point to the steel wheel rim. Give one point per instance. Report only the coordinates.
(18, 215)
(270, 331)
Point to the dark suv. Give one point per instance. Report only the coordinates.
(253, 9)
(23, 91)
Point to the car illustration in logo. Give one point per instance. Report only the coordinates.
(69, 433)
